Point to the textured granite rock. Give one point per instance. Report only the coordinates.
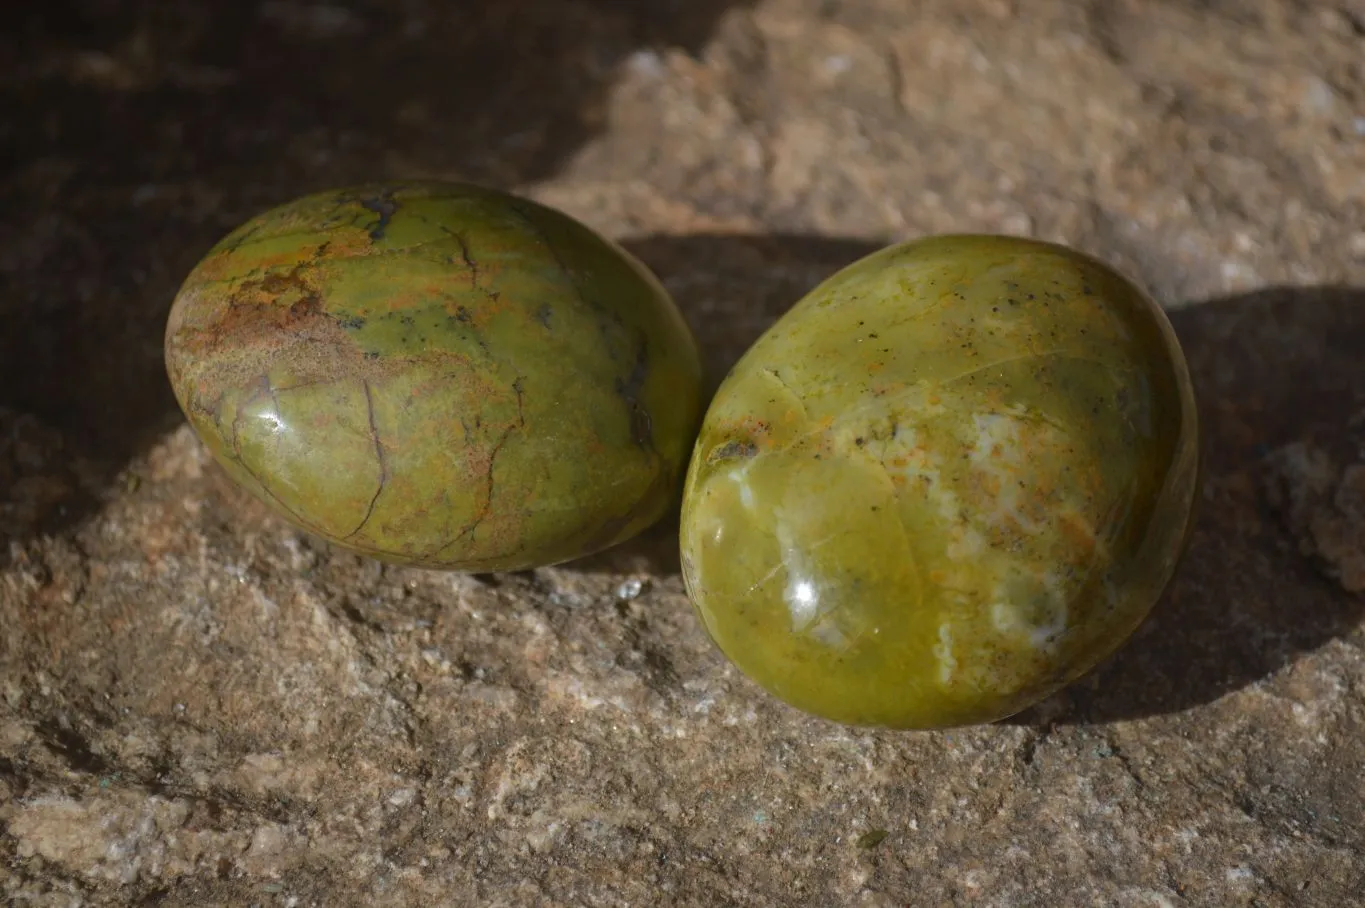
(1321, 497)
(200, 706)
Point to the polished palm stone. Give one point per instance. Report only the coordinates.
(438, 374)
(950, 480)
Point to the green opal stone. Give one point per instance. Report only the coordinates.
(952, 479)
(438, 374)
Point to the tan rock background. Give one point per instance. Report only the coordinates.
(199, 706)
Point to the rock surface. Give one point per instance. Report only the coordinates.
(199, 706)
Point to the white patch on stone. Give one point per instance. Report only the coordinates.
(966, 545)
(943, 652)
(1005, 618)
(1045, 636)
(1008, 620)
(828, 633)
(997, 453)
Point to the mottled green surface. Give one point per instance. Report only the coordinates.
(950, 480)
(438, 374)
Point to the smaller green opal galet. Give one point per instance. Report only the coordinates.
(438, 374)
(950, 480)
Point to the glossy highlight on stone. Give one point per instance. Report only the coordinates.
(949, 481)
(438, 374)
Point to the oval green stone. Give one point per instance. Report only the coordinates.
(438, 374)
(950, 480)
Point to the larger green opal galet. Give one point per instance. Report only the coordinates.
(950, 480)
(438, 374)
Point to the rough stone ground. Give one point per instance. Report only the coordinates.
(199, 706)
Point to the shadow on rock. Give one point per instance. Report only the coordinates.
(137, 134)
(730, 288)
(1273, 368)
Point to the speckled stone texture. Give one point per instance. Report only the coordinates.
(200, 706)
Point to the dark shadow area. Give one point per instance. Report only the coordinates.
(731, 288)
(1272, 368)
(135, 133)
